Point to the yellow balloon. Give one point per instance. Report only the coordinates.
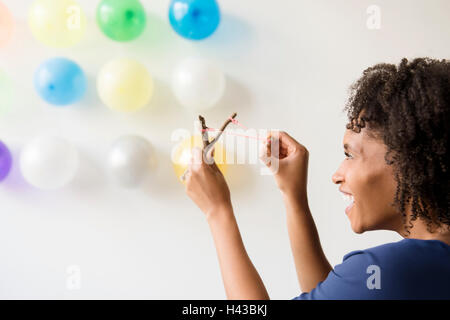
(125, 85)
(57, 23)
(181, 155)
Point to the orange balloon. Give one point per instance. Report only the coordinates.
(6, 25)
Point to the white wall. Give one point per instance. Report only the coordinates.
(289, 64)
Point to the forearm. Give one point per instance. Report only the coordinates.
(241, 280)
(310, 262)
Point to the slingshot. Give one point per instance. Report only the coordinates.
(208, 145)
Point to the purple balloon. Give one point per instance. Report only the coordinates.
(5, 161)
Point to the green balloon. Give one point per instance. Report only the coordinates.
(6, 92)
(121, 20)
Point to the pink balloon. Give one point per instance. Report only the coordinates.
(6, 25)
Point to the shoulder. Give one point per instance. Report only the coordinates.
(404, 258)
(406, 268)
(403, 249)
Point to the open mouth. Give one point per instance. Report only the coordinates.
(349, 199)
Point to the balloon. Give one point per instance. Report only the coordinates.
(5, 161)
(60, 81)
(6, 25)
(57, 23)
(121, 20)
(194, 19)
(181, 155)
(6, 92)
(49, 162)
(198, 84)
(124, 85)
(129, 161)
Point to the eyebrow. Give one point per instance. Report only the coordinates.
(348, 146)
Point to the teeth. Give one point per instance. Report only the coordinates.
(348, 198)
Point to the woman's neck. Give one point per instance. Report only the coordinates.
(420, 230)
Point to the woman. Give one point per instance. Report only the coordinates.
(396, 175)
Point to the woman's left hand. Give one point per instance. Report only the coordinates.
(206, 185)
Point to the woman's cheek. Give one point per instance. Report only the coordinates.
(375, 194)
(363, 215)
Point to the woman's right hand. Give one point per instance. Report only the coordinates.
(291, 171)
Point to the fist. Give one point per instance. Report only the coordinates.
(205, 184)
(288, 161)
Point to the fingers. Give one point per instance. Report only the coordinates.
(185, 176)
(196, 159)
(265, 153)
(195, 163)
(287, 144)
(286, 141)
(210, 153)
(279, 145)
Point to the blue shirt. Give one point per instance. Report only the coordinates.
(407, 269)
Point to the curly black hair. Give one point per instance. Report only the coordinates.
(408, 108)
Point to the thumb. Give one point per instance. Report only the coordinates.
(286, 140)
(210, 153)
(265, 153)
(284, 143)
(196, 157)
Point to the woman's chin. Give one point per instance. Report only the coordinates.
(357, 226)
(358, 229)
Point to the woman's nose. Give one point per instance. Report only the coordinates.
(337, 177)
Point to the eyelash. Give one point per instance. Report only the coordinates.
(347, 155)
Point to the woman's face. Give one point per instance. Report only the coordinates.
(365, 176)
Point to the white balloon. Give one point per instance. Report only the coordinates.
(49, 162)
(198, 84)
(129, 161)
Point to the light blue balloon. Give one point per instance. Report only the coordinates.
(194, 19)
(60, 81)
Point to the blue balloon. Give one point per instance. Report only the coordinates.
(60, 81)
(194, 19)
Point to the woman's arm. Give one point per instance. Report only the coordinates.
(206, 186)
(310, 262)
(291, 175)
(240, 278)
